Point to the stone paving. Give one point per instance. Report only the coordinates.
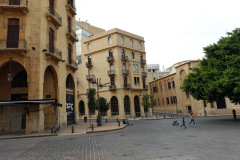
(214, 138)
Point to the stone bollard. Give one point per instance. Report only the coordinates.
(92, 127)
(52, 130)
(118, 123)
(72, 129)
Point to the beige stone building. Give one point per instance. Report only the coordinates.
(170, 98)
(119, 59)
(37, 64)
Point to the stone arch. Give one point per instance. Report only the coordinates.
(127, 105)
(137, 106)
(81, 108)
(70, 105)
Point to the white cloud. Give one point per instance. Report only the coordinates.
(174, 30)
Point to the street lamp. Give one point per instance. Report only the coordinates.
(99, 84)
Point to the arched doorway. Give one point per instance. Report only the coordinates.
(137, 106)
(14, 87)
(81, 108)
(114, 106)
(49, 92)
(126, 105)
(70, 100)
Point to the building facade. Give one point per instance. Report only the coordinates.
(118, 58)
(37, 64)
(170, 98)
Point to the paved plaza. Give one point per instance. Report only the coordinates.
(213, 138)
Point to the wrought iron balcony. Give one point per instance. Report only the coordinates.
(14, 4)
(71, 8)
(145, 86)
(124, 58)
(90, 77)
(125, 71)
(126, 86)
(142, 61)
(54, 53)
(89, 64)
(72, 64)
(110, 59)
(144, 74)
(112, 87)
(71, 34)
(13, 45)
(111, 73)
(54, 17)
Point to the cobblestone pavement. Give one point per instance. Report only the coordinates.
(214, 138)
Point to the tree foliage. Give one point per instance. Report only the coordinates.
(217, 75)
(148, 102)
(104, 105)
(91, 100)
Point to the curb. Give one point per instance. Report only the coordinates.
(87, 132)
(29, 136)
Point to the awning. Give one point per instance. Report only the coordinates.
(42, 101)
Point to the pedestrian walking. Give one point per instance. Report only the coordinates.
(192, 119)
(183, 123)
(234, 114)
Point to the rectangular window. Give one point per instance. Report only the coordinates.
(51, 40)
(13, 33)
(112, 80)
(171, 100)
(169, 85)
(167, 99)
(162, 101)
(14, 2)
(69, 24)
(69, 53)
(173, 84)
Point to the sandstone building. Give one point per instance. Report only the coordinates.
(37, 64)
(169, 97)
(118, 58)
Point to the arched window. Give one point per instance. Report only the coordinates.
(139, 45)
(89, 59)
(137, 106)
(126, 105)
(109, 40)
(122, 40)
(141, 57)
(69, 82)
(124, 66)
(114, 106)
(110, 53)
(111, 67)
(123, 53)
(90, 71)
(136, 68)
(20, 80)
(142, 69)
(89, 46)
(81, 108)
(133, 67)
(132, 55)
(131, 42)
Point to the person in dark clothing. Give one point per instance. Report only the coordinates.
(234, 114)
(183, 123)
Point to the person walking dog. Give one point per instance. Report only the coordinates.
(192, 119)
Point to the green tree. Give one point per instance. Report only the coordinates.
(104, 105)
(91, 100)
(217, 75)
(148, 102)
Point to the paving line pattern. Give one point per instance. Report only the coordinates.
(71, 147)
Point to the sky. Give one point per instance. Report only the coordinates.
(173, 30)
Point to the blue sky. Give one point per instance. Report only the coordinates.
(173, 30)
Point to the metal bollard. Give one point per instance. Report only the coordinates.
(106, 120)
(92, 127)
(52, 130)
(72, 129)
(118, 123)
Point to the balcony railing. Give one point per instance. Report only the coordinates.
(110, 59)
(144, 74)
(145, 86)
(53, 16)
(111, 72)
(13, 45)
(90, 77)
(112, 87)
(70, 6)
(125, 71)
(14, 4)
(72, 64)
(126, 86)
(89, 64)
(142, 61)
(71, 34)
(54, 53)
(124, 58)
